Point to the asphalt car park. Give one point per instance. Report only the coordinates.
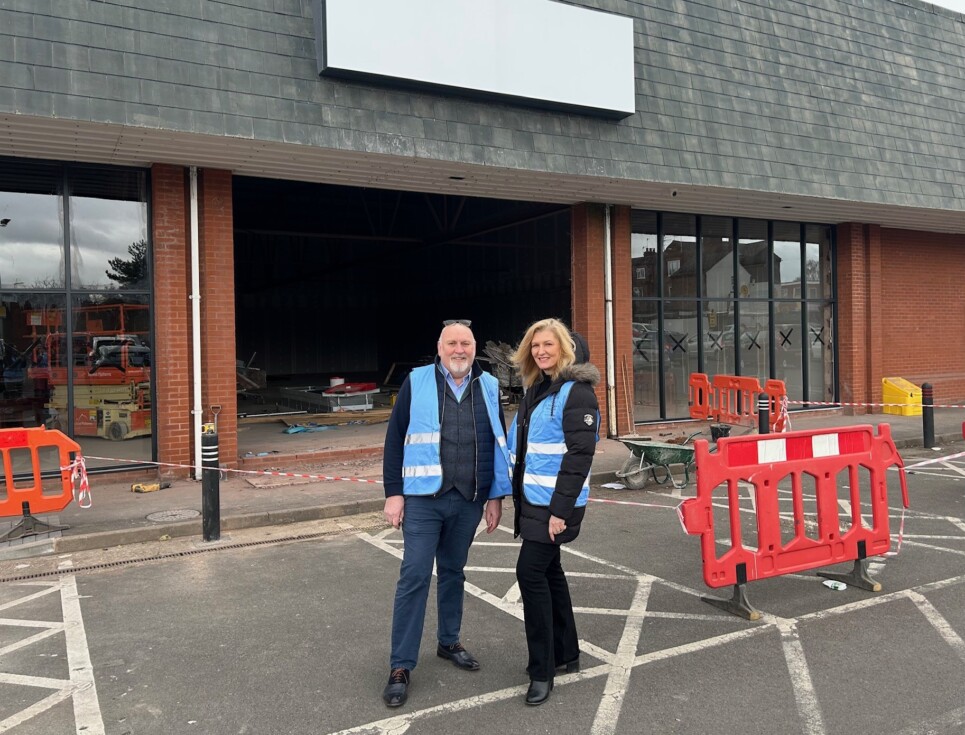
(286, 631)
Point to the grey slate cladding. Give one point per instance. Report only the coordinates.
(853, 99)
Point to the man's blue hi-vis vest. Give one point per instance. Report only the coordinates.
(421, 455)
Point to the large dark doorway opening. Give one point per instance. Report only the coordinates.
(343, 282)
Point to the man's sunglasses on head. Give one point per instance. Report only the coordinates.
(463, 322)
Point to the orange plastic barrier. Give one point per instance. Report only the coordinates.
(736, 399)
(765, 460)
(13, 442)
(701, 396)
(732, 399)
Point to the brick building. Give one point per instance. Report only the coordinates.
(763, 188)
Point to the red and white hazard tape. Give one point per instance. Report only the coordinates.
(79, 484)
(270, 473)
(877, 405)
(935, 460)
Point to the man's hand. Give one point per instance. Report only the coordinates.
(394, 510)
(494, 512)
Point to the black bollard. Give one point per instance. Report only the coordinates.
(928, 414)
(763, 414)
(210, 485)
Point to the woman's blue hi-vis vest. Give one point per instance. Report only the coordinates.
(545, 447)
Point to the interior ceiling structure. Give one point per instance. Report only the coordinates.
(416, 219)
(32, 137)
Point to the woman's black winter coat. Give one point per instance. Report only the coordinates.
(531, 521)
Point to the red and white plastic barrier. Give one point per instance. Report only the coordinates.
(766, 460)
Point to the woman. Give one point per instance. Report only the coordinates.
(551, 443)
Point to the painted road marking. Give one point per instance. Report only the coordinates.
(80, 687)
(618, 665)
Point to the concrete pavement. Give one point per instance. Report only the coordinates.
(119, 516)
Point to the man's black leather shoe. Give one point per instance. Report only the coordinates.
(397, 690)
(539, 692)
(458, 655)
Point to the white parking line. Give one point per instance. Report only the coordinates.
(80, 686)
(939, 623)
(805, 697)
(87, 708)
(948, 722)
(618, 665)
(611, 703)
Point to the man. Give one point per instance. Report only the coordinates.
(445, 458)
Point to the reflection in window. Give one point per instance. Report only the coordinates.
(112, 370)
(679, 250)
(82, 365)
(643, 252)
(25, 356)
(752, 256)
(717, 255)
(817, 248)
(679, 357)
(761, 306)
(108, 231)
(646, 317)
(31, 238)
(787, 260)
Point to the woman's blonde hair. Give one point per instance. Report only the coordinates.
(523, 357)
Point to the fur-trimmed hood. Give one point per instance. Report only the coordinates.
(582, 372)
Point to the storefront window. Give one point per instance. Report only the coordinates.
(643, 271)
(731, 297)
(679, 255)
(112, 374)
(31, 228)
(108, 231)
(679, 357)
(789, 290)
(76, 351)
(820, 313)
(27, 388)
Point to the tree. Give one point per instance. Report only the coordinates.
(130, 272)
(813, 271)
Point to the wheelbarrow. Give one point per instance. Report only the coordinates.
(651, 460)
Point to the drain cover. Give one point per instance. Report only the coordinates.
(173, 515)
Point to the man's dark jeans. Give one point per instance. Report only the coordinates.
(439, 529)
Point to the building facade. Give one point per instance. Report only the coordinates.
(781, 194)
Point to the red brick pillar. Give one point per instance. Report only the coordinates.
(218, 308)
(588, 293)
(172, 313)
(860, 328)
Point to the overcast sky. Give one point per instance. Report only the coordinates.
(958, 5)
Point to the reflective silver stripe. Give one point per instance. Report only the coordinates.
(422, 470)
(429, 437)
(555, 448)
(541, 480)
(826, 445)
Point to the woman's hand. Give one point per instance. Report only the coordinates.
(494, 511)
(556, 526)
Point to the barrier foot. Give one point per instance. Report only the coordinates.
(29, 526)
(857, 577)
(736, 605)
